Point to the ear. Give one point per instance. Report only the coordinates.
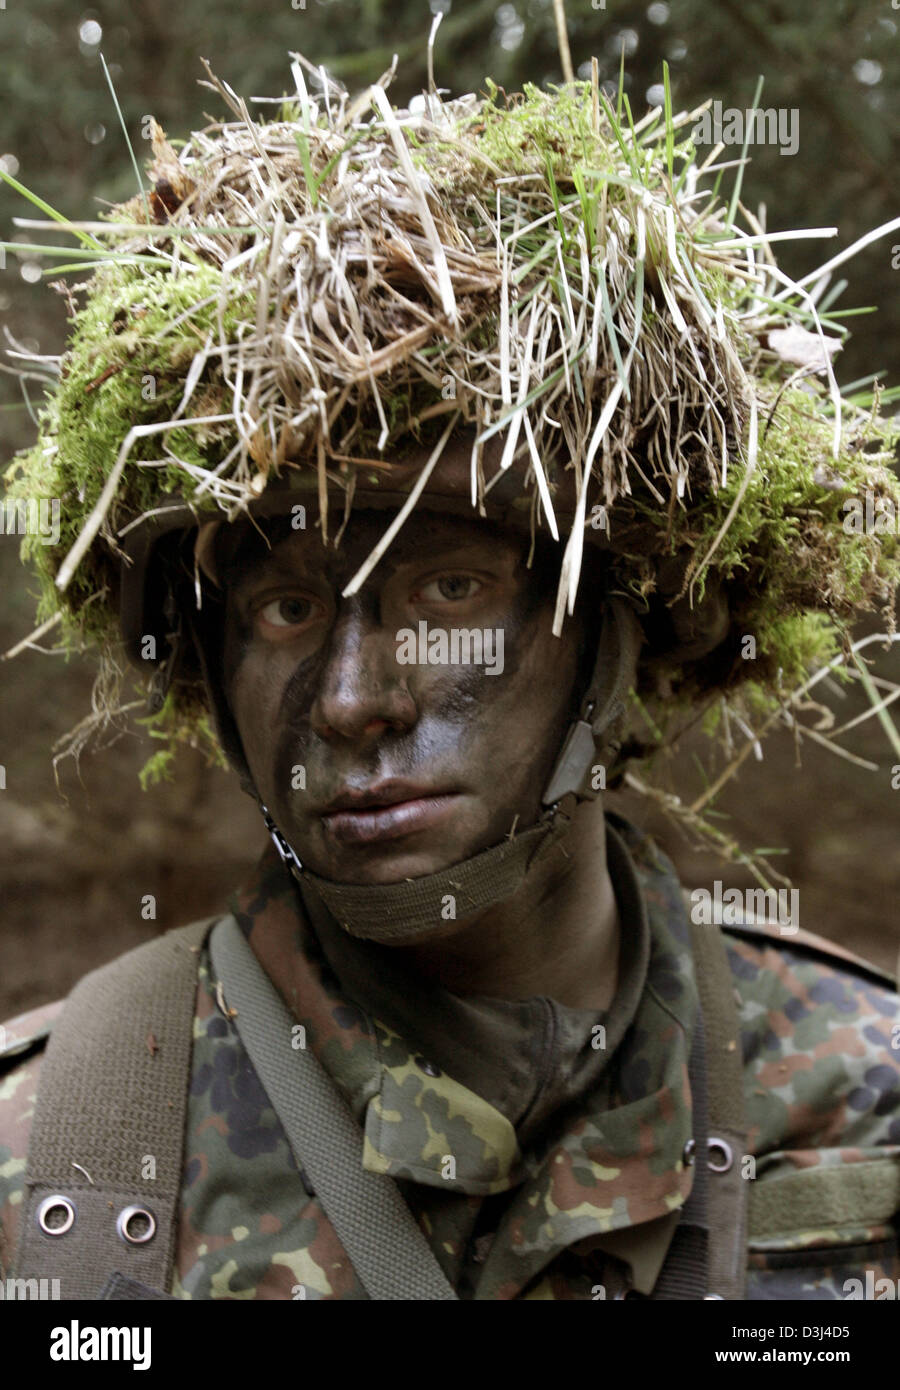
(697, 630)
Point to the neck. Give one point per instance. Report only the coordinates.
(557, 936)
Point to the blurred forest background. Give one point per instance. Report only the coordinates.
(77, 860)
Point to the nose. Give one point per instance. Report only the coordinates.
(362, 690)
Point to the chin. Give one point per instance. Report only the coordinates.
(386, 868)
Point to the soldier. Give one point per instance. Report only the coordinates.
(459, 1036)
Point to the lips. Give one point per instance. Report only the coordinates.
(384, 812)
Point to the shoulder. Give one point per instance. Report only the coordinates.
(802, 974)
(820, 1036)
(820, 1033)
(25, 1034)
(22, 1042)
(762, 935)
(155, 964)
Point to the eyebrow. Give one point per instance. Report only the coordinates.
(435, 550)
(242, 570)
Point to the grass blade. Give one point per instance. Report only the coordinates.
(670, 133)
(878, 709)
(45, 207)
(137, 172)
(739, 177)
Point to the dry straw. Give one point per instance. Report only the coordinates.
(322, 290)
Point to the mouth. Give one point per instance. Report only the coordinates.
(387, 811)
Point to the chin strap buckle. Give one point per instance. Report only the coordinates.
(285, 853)
(604, 702)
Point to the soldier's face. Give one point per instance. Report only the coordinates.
(401, 730)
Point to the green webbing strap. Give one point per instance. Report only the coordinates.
(847, 1195)
(108, 1131)
(685, 1272)
(727, 1196)
(388, 1251)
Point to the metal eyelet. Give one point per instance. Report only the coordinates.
(723, 1148)
(712, 1145)
(52, 1204)
(126, 1216)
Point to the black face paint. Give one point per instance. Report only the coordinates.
(374, 769)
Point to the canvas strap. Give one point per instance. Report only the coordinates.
(108, 1129)
(727, 1193)
(813, 1199)
(387, 1250)
(685, 1273)
(707, 1257)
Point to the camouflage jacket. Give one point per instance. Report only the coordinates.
(540, 1147)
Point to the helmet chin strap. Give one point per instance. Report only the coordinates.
(407, 911)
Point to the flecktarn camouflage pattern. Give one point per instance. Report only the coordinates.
(555, 1170)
